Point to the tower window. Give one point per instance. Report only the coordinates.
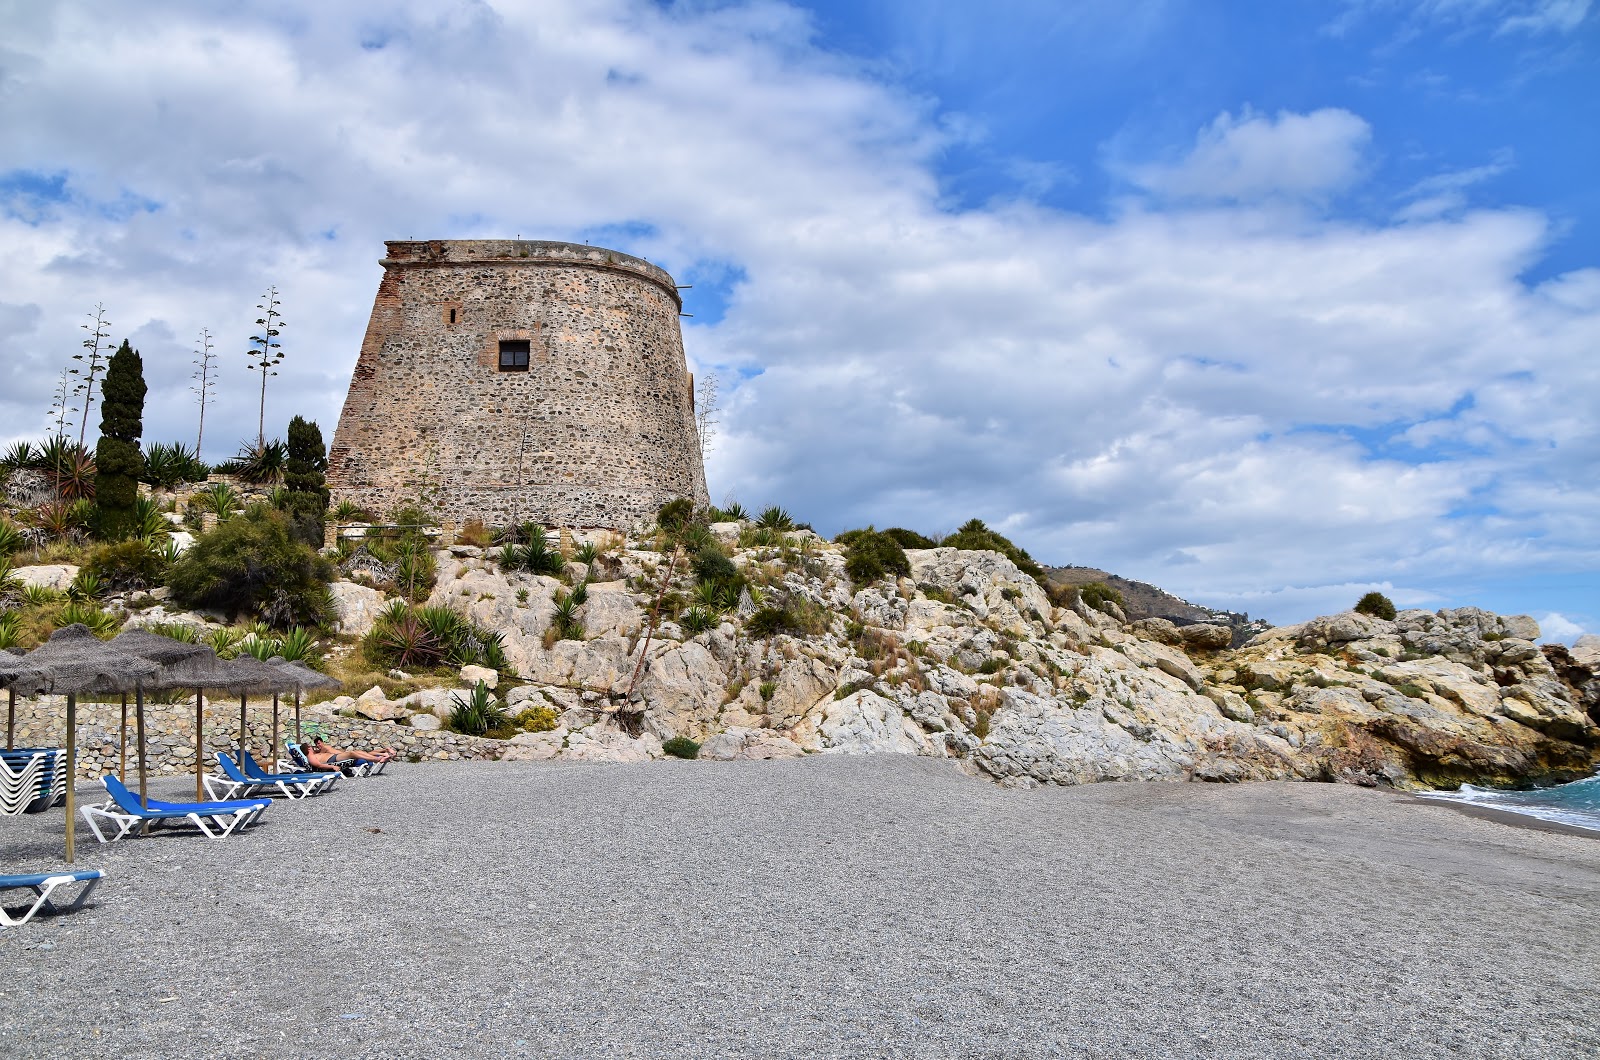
(453, 312)
(514, 355)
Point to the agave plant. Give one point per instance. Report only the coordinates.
(226, 642)
(52, 454)
(565, 619)
(11, 539)
(478, 713)
(278, 497)
(350, 512)
(298, 645)
(733, 511)
(86, 586)
(588, 552)
(9, 584)
(401, 638)
(262, 464)
(10, 629)
(262, 648)
(149, 522)
(775, 518)
(73, 478)
(219, 498)
(39, 595)
(17, 455)
(509, 557)
(169, 551)
(178, 631)
(100, 623)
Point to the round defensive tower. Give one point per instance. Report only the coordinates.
(508, 380)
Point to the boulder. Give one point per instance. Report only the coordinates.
(1586, 651)
(57, 576)
(356, 607)
(1157, 629)
(1522, 627)
(682, 687)
(740, 743)
(426, 722)
(471, 675)
(1206, 636)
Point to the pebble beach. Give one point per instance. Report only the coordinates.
(830, 906)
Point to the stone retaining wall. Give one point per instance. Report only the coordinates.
(169, 733)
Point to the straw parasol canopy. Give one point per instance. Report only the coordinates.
(165, 651)
(202, 670)
(71, 662)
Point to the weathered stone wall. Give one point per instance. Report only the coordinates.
(598, 432)
(169, 734)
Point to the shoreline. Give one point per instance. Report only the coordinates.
(1513, 818)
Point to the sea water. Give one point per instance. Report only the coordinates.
(1577, 803)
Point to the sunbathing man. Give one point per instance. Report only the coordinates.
(325, 756)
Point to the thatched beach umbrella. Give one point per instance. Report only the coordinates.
(253, 675)
(73, 661)
(11, 666)
(302, 679)
(164, 651)
(200, 671)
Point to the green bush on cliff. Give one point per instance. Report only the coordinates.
(681, 747)
(974, 534)
(250, 565)
(870, 555)
(1377, 605)
(1098, 594)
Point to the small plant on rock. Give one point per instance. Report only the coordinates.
(681, 747)
(1377, 605)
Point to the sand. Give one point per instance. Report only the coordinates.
(824, 907)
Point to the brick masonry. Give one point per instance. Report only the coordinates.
(597, 432)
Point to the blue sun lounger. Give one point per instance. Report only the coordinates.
(123, 810)
(234, 783)
(349, 767)
(253, 769)
(44, 884)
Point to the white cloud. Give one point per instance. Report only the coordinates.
(1206, 390)
(1256, 156)
(1556, 628)
(1530, 17)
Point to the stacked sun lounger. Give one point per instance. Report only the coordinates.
(31, 778)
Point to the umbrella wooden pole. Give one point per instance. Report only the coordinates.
(72, 773)
(199, 749)
(297, 737)
(138, 727)
(11, 716)
(272, 750)
(243, 699)
(122, 743)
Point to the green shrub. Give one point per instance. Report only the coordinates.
(681, 747)
(1098, 594)
(538, 719)
(10, 629)
(102, 624)
(697, 620)
(118, 460)
(1377, 605)
(128, 566)
(426, 637)
(909, 538)
(249, 565)
(767, 690)
(775, 518)
(870, 556)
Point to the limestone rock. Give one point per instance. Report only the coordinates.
(427, 722)
(57, 576)
(861, 723)
(740, 743)
(682, 687)
(356, 607)
(1206, 636)
(471, 675)
(1586, 651)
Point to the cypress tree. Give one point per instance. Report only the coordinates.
(308, 491)
(117, 455)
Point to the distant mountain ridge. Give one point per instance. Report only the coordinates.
(1142, 600)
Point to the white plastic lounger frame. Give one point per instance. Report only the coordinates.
(44, 886)
(222, 824)
(239, 786)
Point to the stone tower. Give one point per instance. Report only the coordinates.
(508, 380)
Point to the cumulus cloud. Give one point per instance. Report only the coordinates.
(1243, 403)
(1255, 156)
(1556, 628)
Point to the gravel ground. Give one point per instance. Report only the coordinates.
(824, 907)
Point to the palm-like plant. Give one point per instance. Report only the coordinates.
(17, 455)
(298, 645)
(775, 518)
(10, 629)
(219, 498)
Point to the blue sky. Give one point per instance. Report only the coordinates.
(1267, 304)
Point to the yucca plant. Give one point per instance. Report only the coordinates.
(478, 713)
(9, 584)
(262, 648)
(74, 477)
(169, 551)
(57, 519)
(52, 454)
(400, 639)
(178, 631)
(565, 619)
(350, 512)
(733, 511)
(509, 557)
(278, 497)
(587, 552)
